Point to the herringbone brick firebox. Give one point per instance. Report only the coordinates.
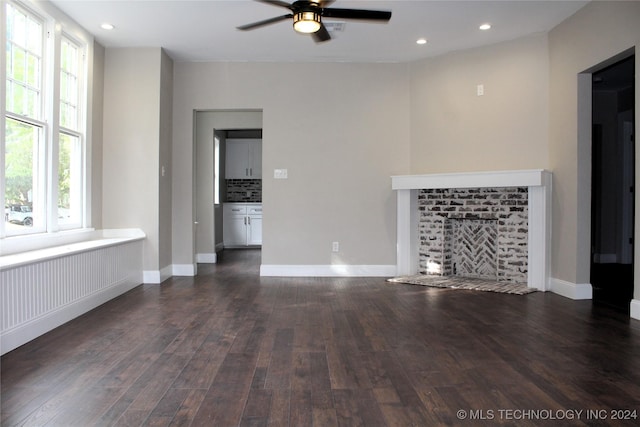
(474, 232)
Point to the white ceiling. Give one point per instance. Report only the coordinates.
(205, 30)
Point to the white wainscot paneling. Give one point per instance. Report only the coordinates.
(42, 290)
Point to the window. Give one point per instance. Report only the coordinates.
(44, 155)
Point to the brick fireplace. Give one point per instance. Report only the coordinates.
(488, 224)
(474, 232)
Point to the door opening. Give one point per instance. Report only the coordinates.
(613, 177)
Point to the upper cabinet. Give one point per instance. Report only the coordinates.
(243, 159)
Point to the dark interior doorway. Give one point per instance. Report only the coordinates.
(613, 177)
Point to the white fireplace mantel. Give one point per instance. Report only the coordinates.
(538, 182)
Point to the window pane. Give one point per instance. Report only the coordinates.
(69, 180)
(33, 71)
(34, 36)
(24, 195)
(17, 65)
(19, 27)
(69, 85)
(24, 63)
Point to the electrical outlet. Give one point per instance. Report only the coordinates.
(335, 247)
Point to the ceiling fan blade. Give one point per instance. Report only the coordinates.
(276, 3)
(265, 22)
(322, 35)
(371, 15)
(326, 3)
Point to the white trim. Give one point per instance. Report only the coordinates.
(539, 235)
(207, 258)
(575, 291)
(166, 273)
(67, 244)
(328, 270)
(155, 277)
(634, 309)
(515, 178)
(407, 224)
(151, 277)
(186, 270)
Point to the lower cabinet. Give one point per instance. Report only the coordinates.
(242, 225)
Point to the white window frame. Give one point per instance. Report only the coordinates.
(56, 27)
(40, 197)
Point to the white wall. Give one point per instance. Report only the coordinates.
(131, 146)
(455, 130)
(341, 130)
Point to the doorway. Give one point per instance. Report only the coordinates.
(613, 177)
(211, 128)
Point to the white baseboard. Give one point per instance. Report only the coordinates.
(155, 277)
(207, 258)
(188, 270)
(574, 291)
(635, 309)
(151, 277)
(328, 270)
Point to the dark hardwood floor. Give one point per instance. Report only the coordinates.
(230, 348)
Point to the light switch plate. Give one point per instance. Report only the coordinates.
(280, 173)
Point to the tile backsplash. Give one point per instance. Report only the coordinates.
(244, 190)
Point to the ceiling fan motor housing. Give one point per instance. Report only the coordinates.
(307, 16)
(306, 21)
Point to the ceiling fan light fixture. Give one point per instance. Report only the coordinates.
(306, 22)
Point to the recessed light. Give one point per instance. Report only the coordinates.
(107, 26)
(421, 41)
(485, 27)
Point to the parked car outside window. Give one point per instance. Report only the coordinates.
(19, 214)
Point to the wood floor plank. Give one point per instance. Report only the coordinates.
(167, 407)
(358, 408)
(257, 408)
(231, 348)
(280, 408)
(188, 408)
(301, 408)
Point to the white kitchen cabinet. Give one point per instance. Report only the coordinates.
(254, 229)
(243, 159)
(242, 224)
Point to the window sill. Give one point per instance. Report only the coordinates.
(27, 250)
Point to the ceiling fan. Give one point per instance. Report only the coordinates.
(307, 16)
